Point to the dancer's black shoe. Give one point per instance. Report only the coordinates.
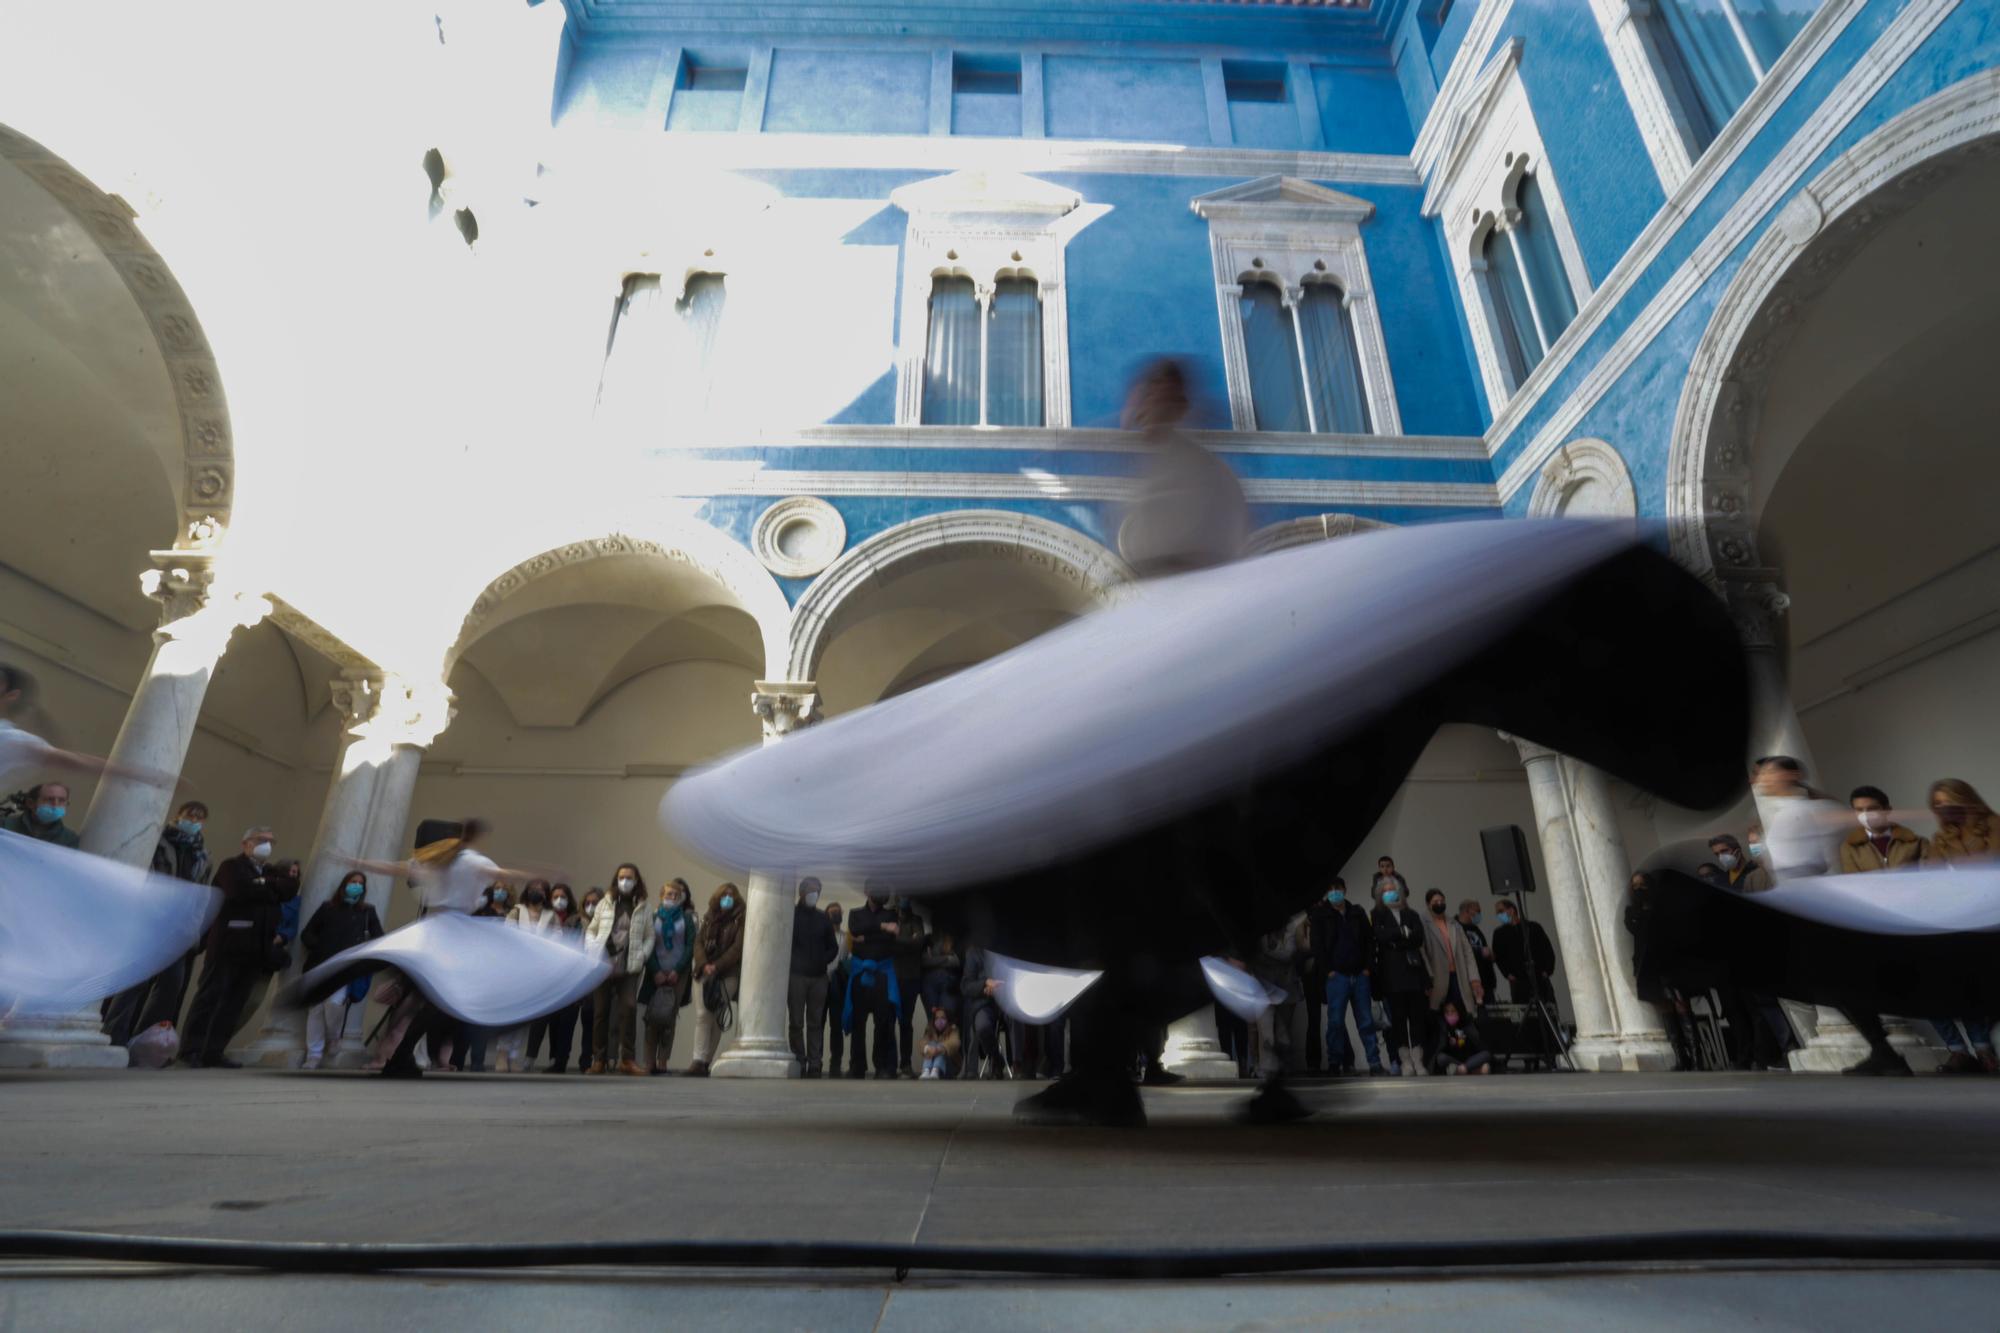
(1274, 1104)
(1156, 1077)
(1080, 1099)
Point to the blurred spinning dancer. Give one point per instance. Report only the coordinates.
(140, 921)
(465, 973)
(1056, 814)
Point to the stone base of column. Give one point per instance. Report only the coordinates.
(1913, 1042)
(752, 1058)
(1637, 1053)
(1832, 1044)
(1192, 1050)
(65, 1041)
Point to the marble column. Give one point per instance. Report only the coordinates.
(1583, 855)
(760, 1049)
(355, 696)
(1192, 1048)
(197, 616)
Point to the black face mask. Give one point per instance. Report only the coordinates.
(533, 900)
(1437, 909)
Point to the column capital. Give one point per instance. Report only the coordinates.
(1758, 607)
(405, 711)
(785, 705)
(1530, 751)
(196, 604)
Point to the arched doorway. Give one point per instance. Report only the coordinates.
(1833, 455)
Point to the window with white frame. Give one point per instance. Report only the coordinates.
(985, 338)
(1688, 65)
(1513, 251)
(665, 360)
(1302, 341)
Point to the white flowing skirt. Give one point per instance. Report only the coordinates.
(75, 928)
(478, 970)
(1919, 901)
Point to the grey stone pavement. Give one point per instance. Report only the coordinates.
(342, 1157)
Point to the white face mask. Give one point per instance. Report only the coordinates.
(812, 897)
(589, 910)
(262, 851)
(561, 904)
(1727, 860)
(1874, 820)
(625, 883)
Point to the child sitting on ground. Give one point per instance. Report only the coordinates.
(940, 1046)
(1460, 1051)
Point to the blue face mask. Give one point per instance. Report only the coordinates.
(1475, 917)
(191, 827)
(727, 902)
(352, 892)
(51, 814)
(1392, 896)
(499, 900)
(1336, 896)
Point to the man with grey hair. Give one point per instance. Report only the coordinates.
(240, 944)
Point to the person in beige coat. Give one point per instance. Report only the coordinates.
(1879, 843)
(1449, 956)
(622, 927)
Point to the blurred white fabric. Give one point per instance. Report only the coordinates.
(75, 927)
(1237, 991)
(1895, 902)
(475, 969)
(1035, 993)
(1131, 715)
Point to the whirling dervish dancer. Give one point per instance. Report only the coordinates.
(466, 970)
(140, 921)
(1173, 777)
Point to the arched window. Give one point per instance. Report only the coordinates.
(1713, 52)
(1333, 362)
(1527, 284)
(1304, 362)
(696, 363)
(1270, 344)
(983, 357)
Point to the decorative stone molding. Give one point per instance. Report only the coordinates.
(1305, 531)
(409, 712)
(316, 636)
(693, 544)
(1061, 552)
(1711, 518)
(1863, 80)
(1290, 232)
(986, 225)
(205, 488)
(1466, 65)
(784, 706)
(1758, 607)
(799, 536)
(196, 607)
(1580, 464)
(1492, 144)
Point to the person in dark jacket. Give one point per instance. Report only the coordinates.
(1641, 921)
(1344, 953)
(980, 1015)
(341, 922)
(836, 990)
(943, 969)
(158, 999)
(1482, 952)
(44, 808)
(1460, 1050)
(1514, 945)
(1312, 977)
(873, 993)
(814, 947)
(911, 940)
(1398, 938)
(718, 970)
(254, 888)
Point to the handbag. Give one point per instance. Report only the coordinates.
(716, 1000)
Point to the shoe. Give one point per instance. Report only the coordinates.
(309, 1064)
(661, 1073)
(1377, 1071)
(1077, 1099)
(596, 1067)
(1274, 1104)
(1880, 1064)
(699, 1069)
(1157, 1077)
(906, 1072)
(190, 1062)
(631, 1068)
(857, 1073)
(224, 1062)
(407, 1069)
(810, 1071)
(886, 1073)
(556, 1069)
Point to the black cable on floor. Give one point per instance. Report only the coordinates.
(1688, 1247)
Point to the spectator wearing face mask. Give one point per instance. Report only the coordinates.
(873, 994)
(593, 899)
(1727, 855)
(1879, 843)
(1469, 916)
(1459, 1048)
(341, 922)
(530, 914)
(1758, 877)
(670, 975)
(254, 888)
(44, 808)
(1448, 956)
(621, 929)
(1312, 979)
(718, 963)
(1400, 969)
(181, 854)
(943, 969)
(908, 956)
(565, 923)
(814, 949)
(1344, 943)
(836, 990)
(466, 1040)
(1968, 830)
(981, 1014)
(941, 1046)
(1517, 949)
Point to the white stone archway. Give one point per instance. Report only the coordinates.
(992, 534)
(1304, 531)
(1708, 501)
(1587, 479)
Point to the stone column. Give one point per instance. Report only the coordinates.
(196, 619)
(1584, 857)
(760, 1049)
(1193, 1050)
